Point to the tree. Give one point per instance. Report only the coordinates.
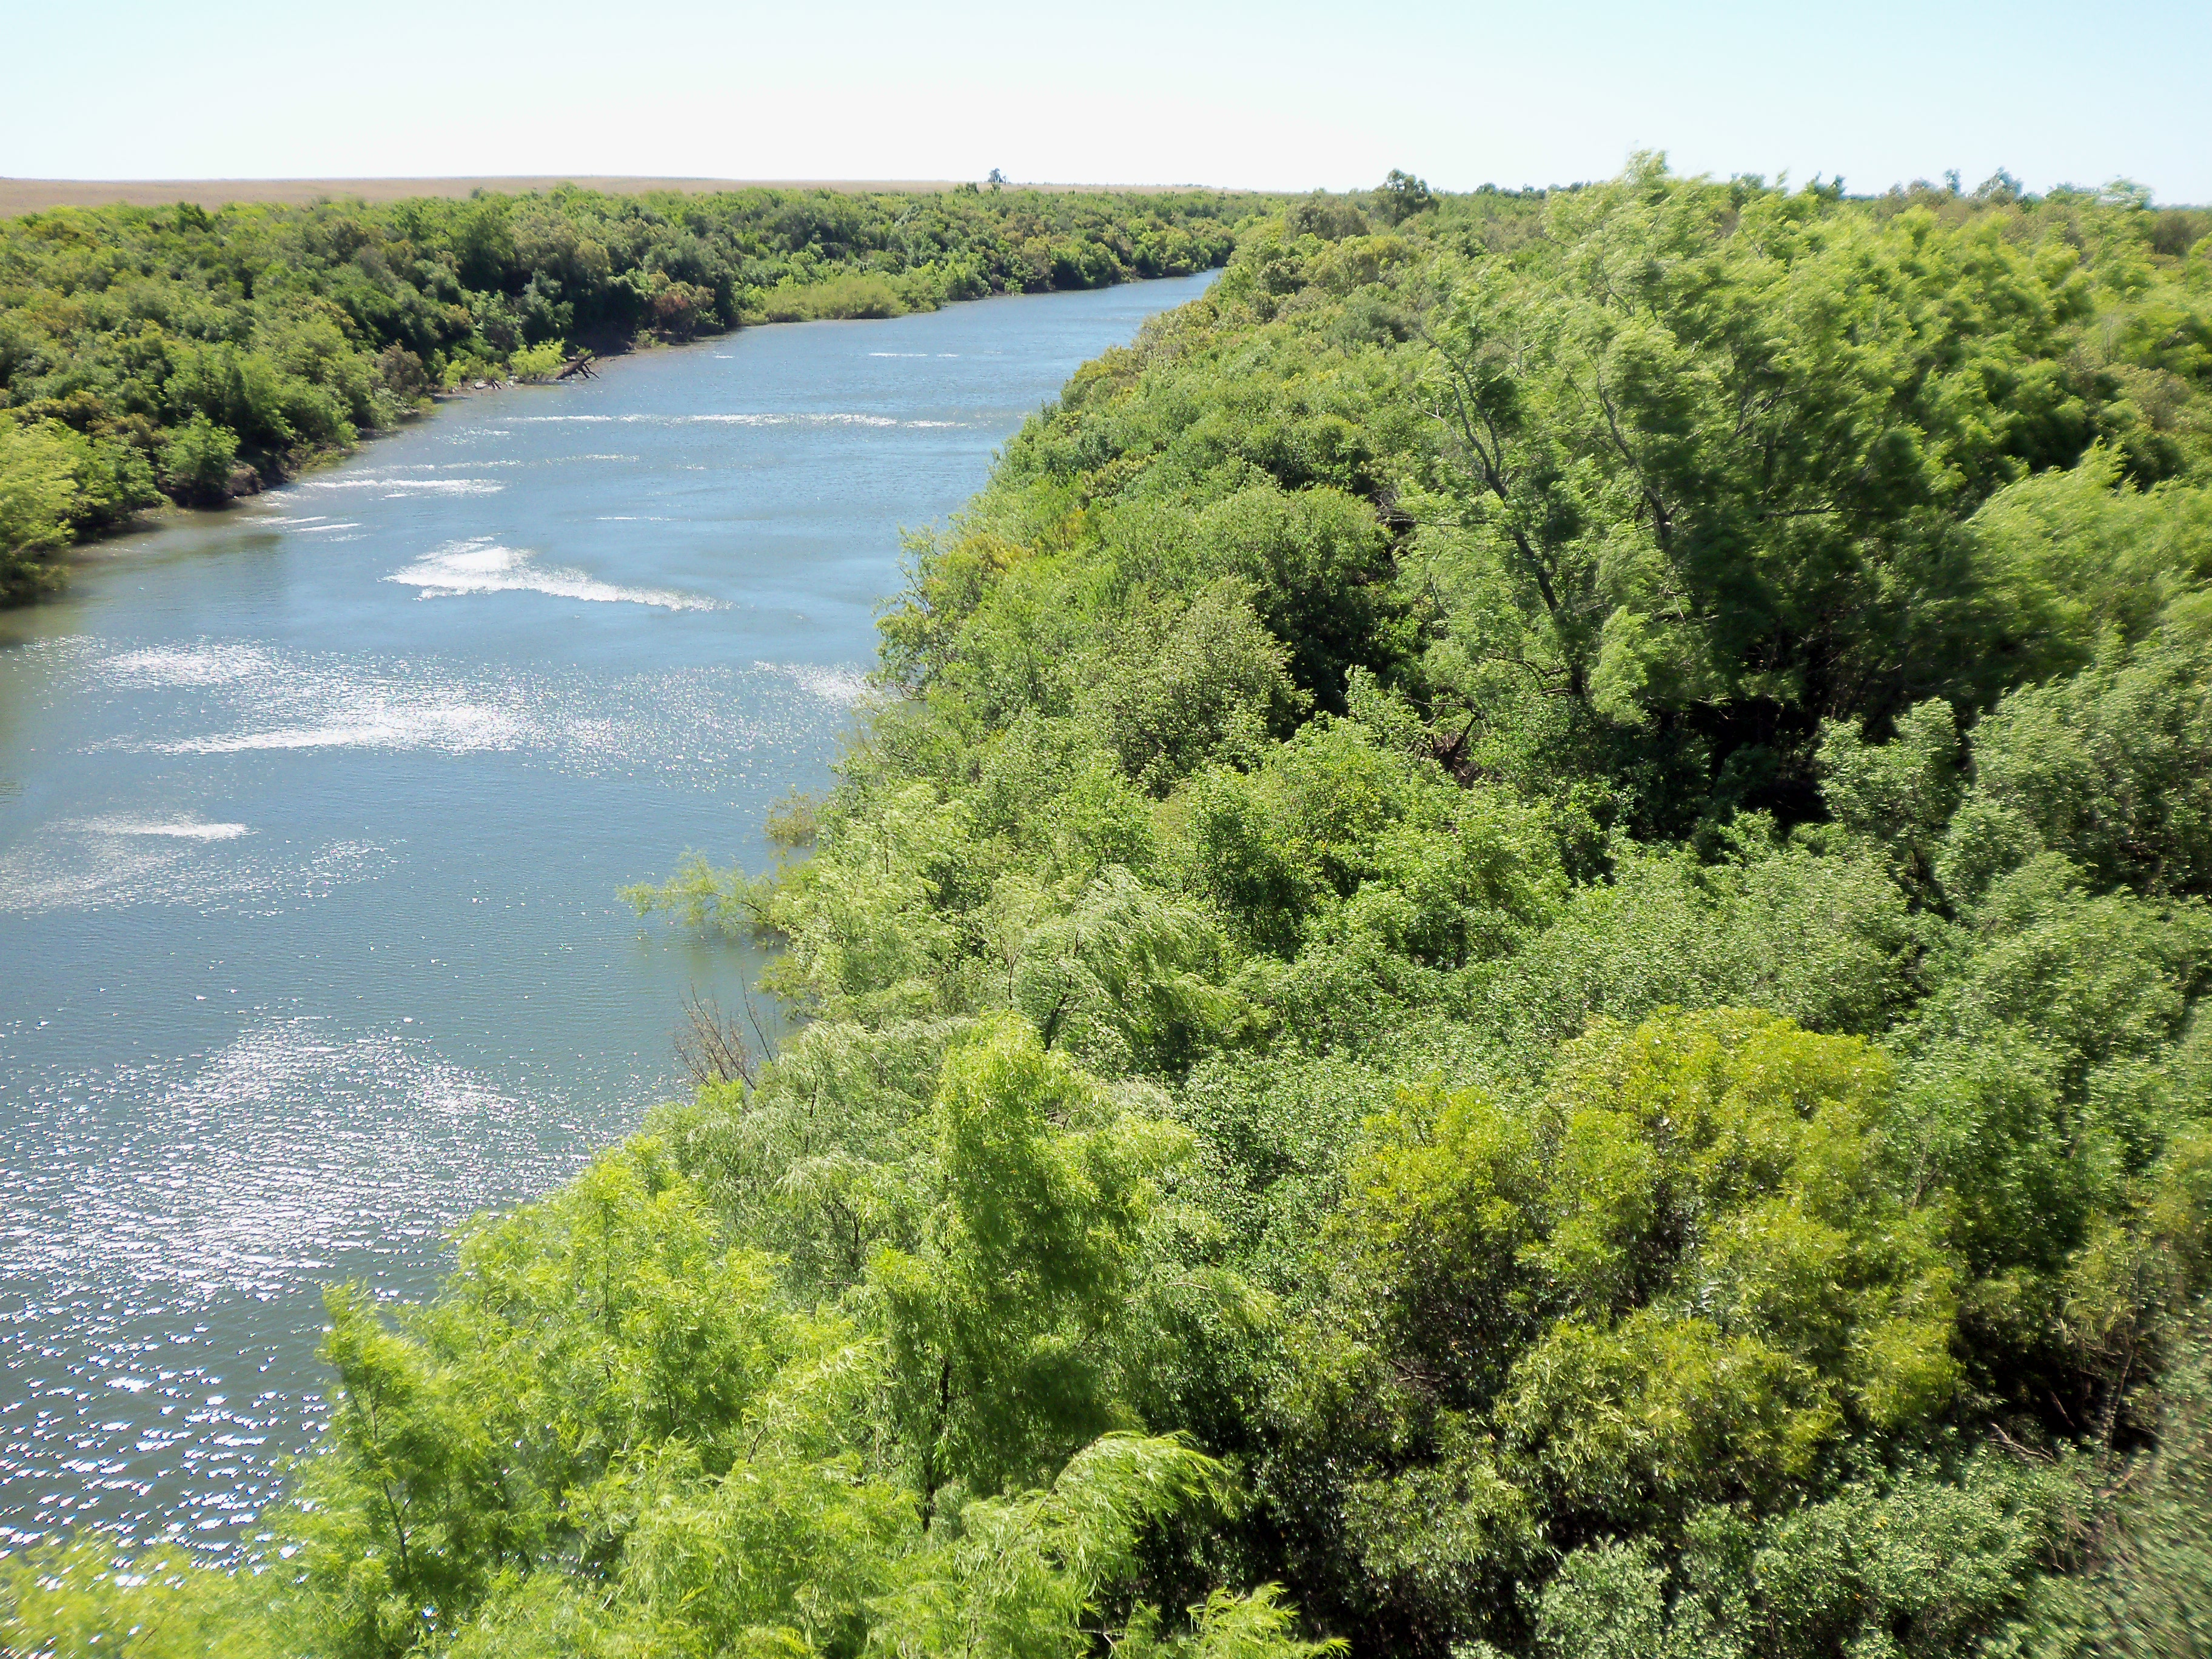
(1004, 1323)
(1401, 196)
(197, 461)
(38, 494)
(1715, 443)
(1683, 1277)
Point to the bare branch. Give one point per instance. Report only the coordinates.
(710, 1046)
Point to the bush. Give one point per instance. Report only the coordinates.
(539, 361)
(196, 459)
(837, 297)
(37, 501)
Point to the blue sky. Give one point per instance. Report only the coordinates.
(1284, 95)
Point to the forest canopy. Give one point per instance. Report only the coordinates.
(1511, 965)
(149, 353)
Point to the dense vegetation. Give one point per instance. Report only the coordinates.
(150, 352)
(1518, 944)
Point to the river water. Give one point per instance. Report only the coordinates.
(313, 815)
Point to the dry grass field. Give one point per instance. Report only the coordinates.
(20, 196)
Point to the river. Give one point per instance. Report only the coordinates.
(313, 814)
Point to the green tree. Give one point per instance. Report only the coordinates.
(37, 496)
(1007, 1322)
(197, 460)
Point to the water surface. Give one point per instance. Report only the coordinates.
(311, 817)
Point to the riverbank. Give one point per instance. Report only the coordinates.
(249, 483)
(251, 340)
(363, 763)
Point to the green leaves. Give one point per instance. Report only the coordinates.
(578, 1340)
(1928, 1562)
(611, 1431)
(79, 1600)
(38, 502)
(1683, 1275)
(2108, 767)
(1715, 450)
(1176, 692)
(197, 458)
(1025, 1573)
(1006, 1326)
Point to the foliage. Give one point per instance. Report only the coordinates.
(537, 363)
(54, 479)
(1666, 717)
(1519, 938)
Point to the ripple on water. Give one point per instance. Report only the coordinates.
(818, 421)
(699, 726)
(89, 864)
(411, 486)
(483, 566)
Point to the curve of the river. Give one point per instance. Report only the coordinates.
(312, 818)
